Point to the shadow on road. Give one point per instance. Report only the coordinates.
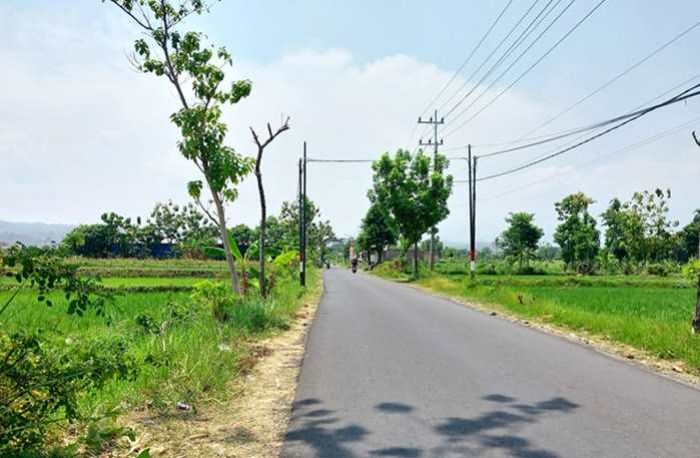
(319, 432)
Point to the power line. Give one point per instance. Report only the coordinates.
(615, 78)
(549, 51)
(682, 96)
(524, 34)
(629, 148)
(578, 130)
(471, 54)
(538, 140)
(454, 76)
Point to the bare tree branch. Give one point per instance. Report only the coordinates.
(271, 135)
(206, 211)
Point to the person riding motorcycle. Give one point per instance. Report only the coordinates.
(353, 263)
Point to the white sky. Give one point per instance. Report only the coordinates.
(81, 133)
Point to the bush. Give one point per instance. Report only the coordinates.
(41, 384)
(250, 314)
(662, 269)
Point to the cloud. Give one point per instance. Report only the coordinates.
(81, 133)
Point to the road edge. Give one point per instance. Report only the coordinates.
(618, 351)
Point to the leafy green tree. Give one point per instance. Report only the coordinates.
(243, 235)
(640, 230)
(690, 236)
(624, 234)
(521, 239)
(173, 223)
(318, 232)
(577, 234)
(378, 230)
(196, 73)
(651, 208)
(414, 191)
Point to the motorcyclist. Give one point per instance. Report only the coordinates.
(353, 263)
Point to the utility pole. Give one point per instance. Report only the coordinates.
(435, 143)
(472, 212)
(302, 279)
(303, 218)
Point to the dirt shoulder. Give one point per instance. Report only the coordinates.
(254, 422)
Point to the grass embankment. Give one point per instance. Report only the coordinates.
(652, 314)
(182, 350)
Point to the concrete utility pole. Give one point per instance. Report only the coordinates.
(435, 143)
(472, 212)
(300, 187)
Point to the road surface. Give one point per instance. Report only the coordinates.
(394, 372)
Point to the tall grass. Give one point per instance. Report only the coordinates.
(182, 351)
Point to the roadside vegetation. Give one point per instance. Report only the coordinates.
(152, 343)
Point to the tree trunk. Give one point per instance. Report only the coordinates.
(263, 228)
(415, 260)
(235, 287)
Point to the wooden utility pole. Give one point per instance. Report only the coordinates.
(435, 144)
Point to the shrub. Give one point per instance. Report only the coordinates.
(216, 296)
(40, 384)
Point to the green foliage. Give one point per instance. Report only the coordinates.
(520, 240)
(117, 236)
(45, 273)
(414, 190)
(577, 234)
(689, 236)
(41, 384)
(171, 347)
(378, 230)
(639, 231)
(183, 59)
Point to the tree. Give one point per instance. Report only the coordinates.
(261, 194)
(651, 208)
(196, 73)
(577, 234)
(621, 238)
(690, 236)
(378, 230)
(176, 224)
(318, 232)
(243, 235)
(414, 191)
(521, 239)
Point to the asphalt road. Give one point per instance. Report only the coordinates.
(393, 372)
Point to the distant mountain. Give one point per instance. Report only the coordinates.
(32, 233)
